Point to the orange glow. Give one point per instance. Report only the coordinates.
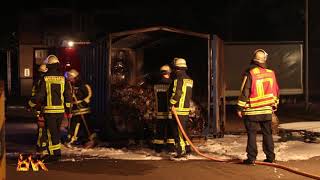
(24, 165)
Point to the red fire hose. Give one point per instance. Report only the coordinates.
(238, 161)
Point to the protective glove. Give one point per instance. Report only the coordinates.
(67, 115)
(41, 122)
(239, 113)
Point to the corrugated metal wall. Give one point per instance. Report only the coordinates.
(94, 62)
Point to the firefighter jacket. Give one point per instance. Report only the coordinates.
(161, 90)
(181, 92)
(54, 93)
(35, 89)
(36, 85)
(259, 92)
(81, 94)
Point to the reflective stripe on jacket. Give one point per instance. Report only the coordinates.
(82, 94)
(54, 94)
(161, 92)
(181, 93)
(259, 92)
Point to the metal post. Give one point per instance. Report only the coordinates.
(109, 46)
(207, 131)
(9, 71)
(307, 54)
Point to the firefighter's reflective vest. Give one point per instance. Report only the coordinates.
(54, 93)
(81, 94)
(264, 92)
(162, 101)
(182, 93)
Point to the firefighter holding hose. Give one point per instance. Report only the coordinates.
(259, 98)
(181, 94)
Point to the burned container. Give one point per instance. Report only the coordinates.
(122, 67)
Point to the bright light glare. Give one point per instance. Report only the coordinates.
(70, 43)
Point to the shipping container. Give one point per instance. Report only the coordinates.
(133, 55)
(285, 58)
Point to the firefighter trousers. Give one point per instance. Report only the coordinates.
(77, 130)
(164, 134)
(182, 146)
(53, 123)
(268, 144)
(42, 140)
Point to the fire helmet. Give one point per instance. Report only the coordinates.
(180, 63)
(260, 56)
(51, 59)
(165, 69)
(73, 73)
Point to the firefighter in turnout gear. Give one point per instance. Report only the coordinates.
(258, 100)
(81, 97)
(163, 134)
(181, 94)
(54, 95)
(41, 144)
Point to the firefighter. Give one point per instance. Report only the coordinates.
(163, 134)
(258, 100)
(81, 97)
(181, 94)
(54, 95)
(41, 133)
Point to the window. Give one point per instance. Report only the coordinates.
(40, 55)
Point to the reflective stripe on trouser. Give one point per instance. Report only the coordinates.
(170, 141)
(53, 122)
(73, 132)
(158, 141)
(42, 140)
(171, 128)
(76, 112)
(77, 130)
(163, 132)
(160, 131)
(178, 136)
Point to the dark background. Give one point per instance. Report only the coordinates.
(232, 20)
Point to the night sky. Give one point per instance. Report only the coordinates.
(247, 20)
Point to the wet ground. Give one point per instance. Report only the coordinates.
(146, 170)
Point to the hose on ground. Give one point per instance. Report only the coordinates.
(238, 161)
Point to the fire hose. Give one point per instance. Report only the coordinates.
(237, 161)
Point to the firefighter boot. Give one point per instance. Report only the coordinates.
(51, 158)
(188, 149)
(180, 152)
(158, 148)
